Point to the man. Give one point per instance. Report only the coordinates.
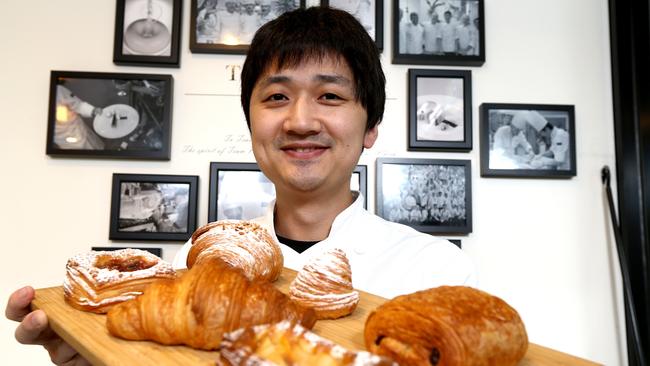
(313, 100)
(250, 21)
(511, 149)
(414, 36)
(431, 35)
(230, 24)
(464, 32)
(448, 41)
(557, 140)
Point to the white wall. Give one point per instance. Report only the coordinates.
(542, 245)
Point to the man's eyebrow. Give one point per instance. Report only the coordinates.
(333, 79)
(321, 78)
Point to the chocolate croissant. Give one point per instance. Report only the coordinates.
(289, 344)
(196, 309)
(448, 325)
(242, 244)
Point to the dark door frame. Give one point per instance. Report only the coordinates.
(630, 56)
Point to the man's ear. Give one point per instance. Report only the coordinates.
(370, 137)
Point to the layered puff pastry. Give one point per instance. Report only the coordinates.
(448, 325)
(97, 280)
(287, 344)
(325, 285)
(241, 244)
(198, 308)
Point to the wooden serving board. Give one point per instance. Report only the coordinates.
(86, 332)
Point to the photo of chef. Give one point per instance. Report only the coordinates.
(153, 207)
(538, 140)
(429, 195)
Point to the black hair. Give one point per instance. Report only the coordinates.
(317, 33)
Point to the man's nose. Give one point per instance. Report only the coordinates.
(302, 118)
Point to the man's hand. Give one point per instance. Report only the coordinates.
(34, 329)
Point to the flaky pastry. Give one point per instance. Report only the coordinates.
(325, 285)
(97, 280)
(447, 325)
(287, 344)
(196, 309)
(241, 244)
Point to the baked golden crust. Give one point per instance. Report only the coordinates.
(325, 285)
(97, 280)
(284, 343)
(448, 325)
(197, 308)
(242, 244)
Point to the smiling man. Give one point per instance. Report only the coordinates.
(313, 96)
(313, 93)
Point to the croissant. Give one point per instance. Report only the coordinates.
(242, 244)
(448, 325)
(325, 284)
(197, 308)
(284, 343)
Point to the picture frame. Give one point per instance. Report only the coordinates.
(148, 33)
(240, 191)
(153, 207)
(370, 13)
(527, 140)
(440, 110)
(110, 115)
(213, 23)
(439, 32)
(155, 251)
(429, 195)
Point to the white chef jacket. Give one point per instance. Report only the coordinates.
(387, 259)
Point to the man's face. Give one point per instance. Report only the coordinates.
(266, 9)
(447, 17)
(231, 7)
(249, 8)
(414, 18)
(307, 128)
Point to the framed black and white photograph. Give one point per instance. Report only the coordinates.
(148, 33)
(240, 191)
(439, 32)
(155, 251)
(93, 114)
(440, 110)
(527, 140)
(153, 207)
(370, 13)
(228, 26)
(430, 195)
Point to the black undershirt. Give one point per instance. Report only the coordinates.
(297, 245)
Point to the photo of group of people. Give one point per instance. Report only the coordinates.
(529, 139)
(363, 11)
(234, 22)
(426, 195)
(439, 27)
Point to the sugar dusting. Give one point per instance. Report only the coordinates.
(325, 283)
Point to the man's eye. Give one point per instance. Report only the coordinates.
(276, 97)
(330, 96)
